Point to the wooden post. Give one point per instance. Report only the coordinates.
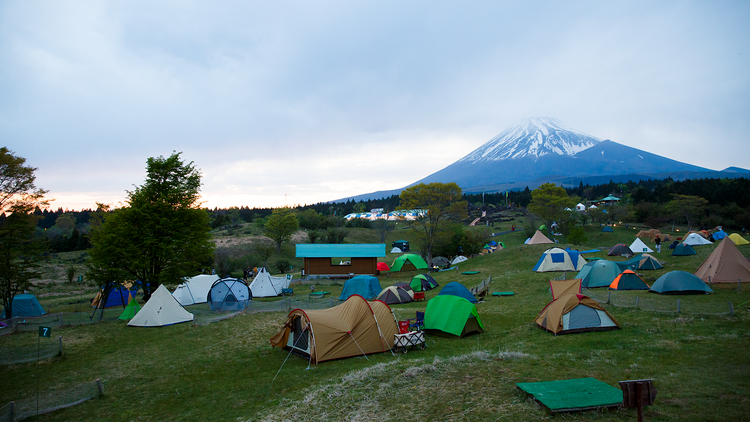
(739, 285)
(60, 339)
(639, 402)
(678, 306)
(100, 386)
(637, 300)
(12, 411)
(609, 297)
(731, 309)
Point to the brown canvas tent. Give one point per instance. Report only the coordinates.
(652, 235)
(538, 239)
(354, 328)
(725, 265)
(564, 287)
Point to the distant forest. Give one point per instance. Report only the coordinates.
(728, 204)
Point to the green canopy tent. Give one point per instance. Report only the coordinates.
(452, 315)
(683, 249)
(408, 262)
(599, 273)
(130, 310)
(679, 283)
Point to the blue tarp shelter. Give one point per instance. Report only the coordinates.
(364, 285)
(457, 289)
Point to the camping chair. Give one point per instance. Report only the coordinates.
(418, 323)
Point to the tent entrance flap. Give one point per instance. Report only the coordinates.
(299, 342)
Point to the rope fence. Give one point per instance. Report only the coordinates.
(658, 303)
(24, 324)
(50, 401)
(25, 354)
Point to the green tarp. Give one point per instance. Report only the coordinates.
(573, 394)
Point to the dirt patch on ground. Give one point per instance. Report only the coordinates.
(298, 237)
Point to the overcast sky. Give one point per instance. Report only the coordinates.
(301, 102)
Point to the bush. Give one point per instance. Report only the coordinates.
(577, 236)
(283, 266)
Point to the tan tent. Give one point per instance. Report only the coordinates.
(652, 235)
(354, 328)
(538, 239)
(725, 265)
(564, 287)
(575, 313)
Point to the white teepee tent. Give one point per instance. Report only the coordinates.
(639, 247)
(160, 310)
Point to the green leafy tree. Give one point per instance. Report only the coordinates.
(19, 252)
(443, 204)
(161, 236)
(548, 202)
(281, 225)
(689, 207)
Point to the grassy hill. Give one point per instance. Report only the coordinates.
(699, 358)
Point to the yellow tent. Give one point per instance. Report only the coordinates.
(738, 240)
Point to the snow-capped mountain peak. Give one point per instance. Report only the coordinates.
(533, 137)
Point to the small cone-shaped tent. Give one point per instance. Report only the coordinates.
(726, 264)
(738, 240)
(395, 295)
(694, 239)
(679, 283)
(575, 313)
(452, 315)
(455, 288)
(599, 273)
(409, 262)
(263, 285)
(354, 328)
(422, 282)
(160, 310)
(538, 238)
(639, 247)
(130, 311)
(628, 280)
(683, 249)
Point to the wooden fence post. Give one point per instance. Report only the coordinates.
(60, 339)
(609, 294)
(731, 309)
(12, 411)
(637, 300)
(678, 306)
(100, 386)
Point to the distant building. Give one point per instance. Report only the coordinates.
(340, 259)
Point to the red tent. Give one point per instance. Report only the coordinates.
(382, 266)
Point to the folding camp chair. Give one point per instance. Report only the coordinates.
(417, 323)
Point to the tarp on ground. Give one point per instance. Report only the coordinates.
(25, 305)
(679, 283)
(557, 259)
(396, 295)
(455, 288)
(683, 249)
(738, 240)
(574, 313)
(639, 247)
(573, 394)
(364, 285)
(538, 239)
(408, 262)
(353, 328)
(452, 315)
(694, 239)
(599, 273)
(195, 289)
(726, 264)
(162, 309)
(422, 282)
(264, 285)
(628, 280)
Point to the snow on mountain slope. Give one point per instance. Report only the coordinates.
(533, 137)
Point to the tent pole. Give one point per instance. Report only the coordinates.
(287, 356)
(355, 342)
(382, 339)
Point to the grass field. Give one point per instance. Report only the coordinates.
(699, 359)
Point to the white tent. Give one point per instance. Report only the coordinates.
(557, 259)
(162, 309)
(458, 259)
(580, 207)
(694, 239)
(194, 290)
(264, 285)
(639, 247)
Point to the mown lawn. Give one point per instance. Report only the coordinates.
(700, 363)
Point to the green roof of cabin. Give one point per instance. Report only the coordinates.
(610, 198)
(362, 250)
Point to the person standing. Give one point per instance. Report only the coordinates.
(658, 244)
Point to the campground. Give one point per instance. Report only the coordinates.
(699, 358)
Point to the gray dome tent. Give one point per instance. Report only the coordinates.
(680, 283)
(229, 294)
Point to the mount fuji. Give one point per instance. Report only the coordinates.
(542, 149)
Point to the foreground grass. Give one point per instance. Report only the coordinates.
(225, 370)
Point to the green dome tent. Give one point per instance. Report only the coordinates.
(683, 249)
(679, 283)
(408, 262)
(641, 262)
(422, 282)
(25, 305)
(452, 315)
